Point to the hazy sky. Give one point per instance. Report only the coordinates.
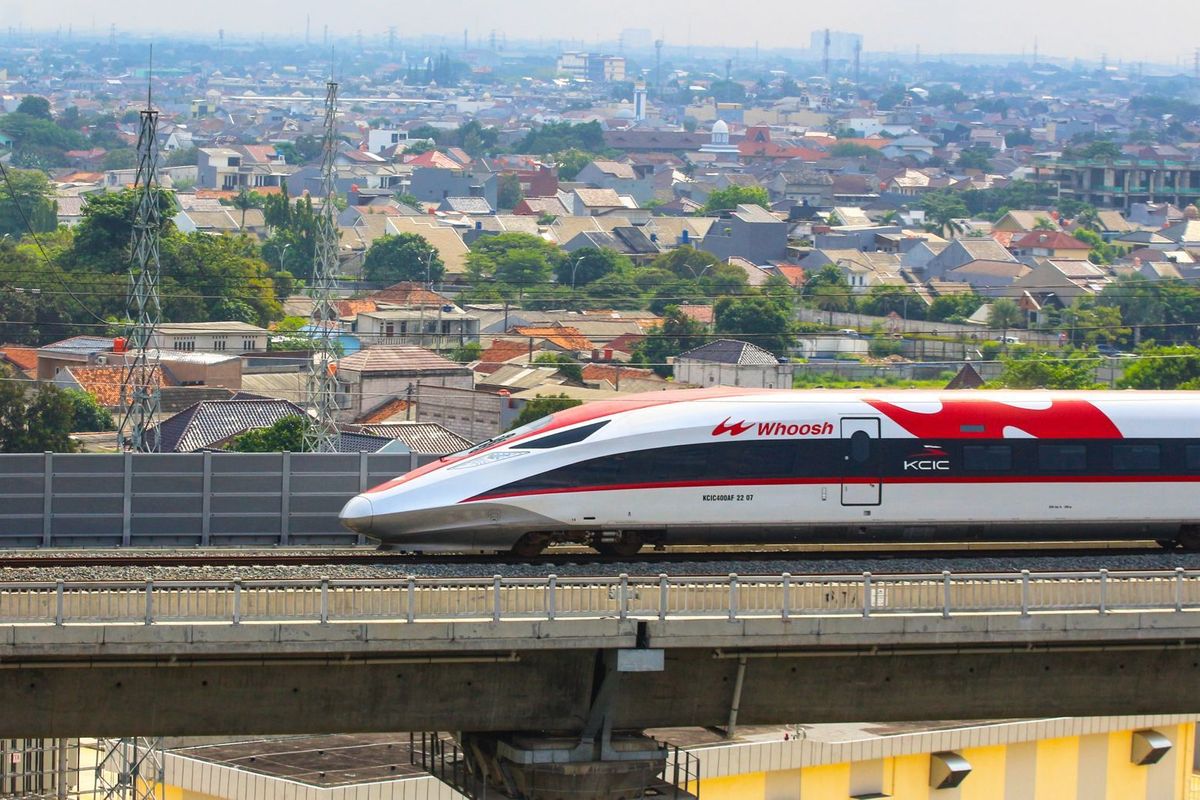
(1161, 31)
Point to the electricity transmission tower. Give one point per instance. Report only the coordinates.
(129, 769)
(140, 389)
(321, 435)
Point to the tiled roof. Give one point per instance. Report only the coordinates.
(408, 293)
(702, 314)
(599, 198)
(501, 350)
(351, 442)
(352, 308)
(382, 413)
(731, 351)
(104, 383)
(423, 438)
(80, 344)
(395, 358)
(212, 421)
(467, 205)
(1051, 240)
(615, 169)
(563, 336)
(610, 373)
(23, 358)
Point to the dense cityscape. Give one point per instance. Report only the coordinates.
(370, 258)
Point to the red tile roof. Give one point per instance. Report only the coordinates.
(562, 336)
(23, 358)
(395, 358)
(352, 308)
(626, 342)
(1050, 240)
(795, 275)
(104, 383)
(397, 405)
(408, 293)
(501, 351)
(434, 159)
(610, 373)
(699, 313)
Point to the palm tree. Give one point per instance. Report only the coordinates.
(246, 200)
(1088, 217)
(1044, 224)
(1004, 314)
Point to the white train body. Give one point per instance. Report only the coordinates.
(729, 465)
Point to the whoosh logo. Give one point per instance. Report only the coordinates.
(774, 428)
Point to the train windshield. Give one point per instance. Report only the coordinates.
(572, 436)
(531, 427)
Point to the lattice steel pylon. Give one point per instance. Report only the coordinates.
(140, 389)
(321, 435)
(129, 769)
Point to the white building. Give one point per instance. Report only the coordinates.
(216, 337)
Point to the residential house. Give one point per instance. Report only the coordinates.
(541, 207)
(1024, 221)
(558, 337)
(729, 362)
(750, 232)
(375, 375)
(1049, 244)
(632, 180)
(440, 328)
(1068, 280)
(917, 148)
(240, 167)
(628, 240)
(983, 274)
(964, 251)
(433, 185)
(422, 438)
(218, 337)
(473, 414)
(469, 206)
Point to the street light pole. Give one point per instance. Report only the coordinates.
(283, 257)
(574, 267)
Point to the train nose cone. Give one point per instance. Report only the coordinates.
(358, 514)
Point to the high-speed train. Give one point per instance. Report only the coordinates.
(729, 465)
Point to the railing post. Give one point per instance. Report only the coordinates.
(551, 601)
(1103, 591)
(411, 612)
(1024, 593)
(733, 596)
(324, 600)
(866, 578)
(945, 594)
(787, 595)
(662, 595)
(237, 601)
(1179, 588)
(58, 602)
(623, 595)
(150, 602)
(496, 579)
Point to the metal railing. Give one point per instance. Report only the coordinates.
(552, 597)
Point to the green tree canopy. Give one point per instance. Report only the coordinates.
(103, 236)
(554, 137)
(89, 415)
(588, 264)
(685, 262)
(677, 334)
(734, 196)
(34, 421)
(517, 261)
(883, 300)
(1175, 367)
(26, 195)
(403, 257)
(34, 106)
(758, 320)
(285, 436)
(1040, 372)
(828, 290)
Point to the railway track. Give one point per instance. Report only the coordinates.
(882, 553)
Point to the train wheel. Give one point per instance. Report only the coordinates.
(531, 545)
(628, 545)
(1189, 537)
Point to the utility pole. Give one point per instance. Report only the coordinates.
(321, 396)
(140, 391)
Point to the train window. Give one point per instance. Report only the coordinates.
(1135, 457)
(755, 459)
(681, 463)
(572, 436)
(1062, 457)
(860, 447)
(1193, 456)
(987, 458)
(970, 428)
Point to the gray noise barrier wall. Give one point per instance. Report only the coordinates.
(80, 500)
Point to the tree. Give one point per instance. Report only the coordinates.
(89, 415)
(508, 191)
(245, 200)
(589, 264)
(540, 406)
(758, 320)
(953, 307)
(35, 106)
(883, 300)
(183, 157)
(26, 195)
(308, 148)
(1101, 150)
(103, 236)
(828, 290)
(1005, 314)
(286, 435)
(1038, 372)
(35, 422)
(1044, 224)
(122, 158)
(975, 158)
(677, 334)
(1164, 368)
(554, 137)
(943, 210)
(571, 161)
(733, 196)
(403, 257)
(568, 367)
(516, 260)
(855, 150)
(685, 262)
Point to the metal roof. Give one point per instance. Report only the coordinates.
(422, 438)
(731, 351)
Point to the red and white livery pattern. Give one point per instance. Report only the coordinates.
(732, 465)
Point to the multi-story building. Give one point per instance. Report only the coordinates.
(595, 67)
(1121, 182)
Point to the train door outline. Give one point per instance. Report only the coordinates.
(862, 462)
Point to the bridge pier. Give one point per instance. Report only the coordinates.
(596, 764)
